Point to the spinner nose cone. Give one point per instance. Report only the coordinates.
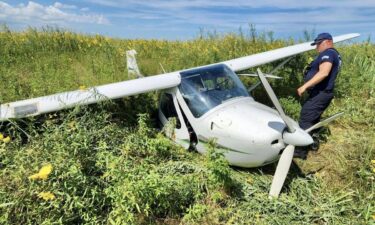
(298, 138)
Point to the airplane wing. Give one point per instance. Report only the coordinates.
(273, 55)
(46, 104)
(51, 103)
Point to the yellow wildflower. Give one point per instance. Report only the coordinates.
(257, 216)
(6, 140)
(373, 170)
(46, 196)
(72, 124)
(82, 87)
(43, 173)
(1, 136)
(34, 176)
(373, 161)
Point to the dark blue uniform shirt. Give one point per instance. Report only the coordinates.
(327, 84)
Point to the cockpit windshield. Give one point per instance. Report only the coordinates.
(207, 87)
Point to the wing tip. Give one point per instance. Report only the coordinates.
(345, 37)
(354, 35)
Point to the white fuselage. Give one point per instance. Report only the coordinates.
(212, 103)
(248, 132)
(251, 132)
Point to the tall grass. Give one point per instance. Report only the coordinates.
(111, 166)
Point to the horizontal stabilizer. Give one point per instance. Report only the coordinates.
(256, 75)
(132, 65)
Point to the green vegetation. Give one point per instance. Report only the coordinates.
(107, 164)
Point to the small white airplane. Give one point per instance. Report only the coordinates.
(207, 102)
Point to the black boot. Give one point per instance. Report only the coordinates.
(315, 145)
(300, 153)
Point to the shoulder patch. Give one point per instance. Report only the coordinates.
(325, 57)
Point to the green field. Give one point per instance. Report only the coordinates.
(107, 164)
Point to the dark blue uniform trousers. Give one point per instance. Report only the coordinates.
(314, 107)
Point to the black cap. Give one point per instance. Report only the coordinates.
(321, 37)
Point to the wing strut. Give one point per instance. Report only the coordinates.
(252, 87)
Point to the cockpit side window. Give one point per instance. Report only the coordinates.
(168, 109)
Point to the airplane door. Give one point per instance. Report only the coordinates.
(169, 108)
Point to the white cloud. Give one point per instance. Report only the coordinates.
(58, 13)
(85, 9)
(60, 5)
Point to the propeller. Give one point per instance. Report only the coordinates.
(293, 136)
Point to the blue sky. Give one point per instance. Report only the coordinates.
(183, 19)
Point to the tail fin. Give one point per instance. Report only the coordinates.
(131, 62)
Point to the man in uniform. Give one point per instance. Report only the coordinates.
(319, 78)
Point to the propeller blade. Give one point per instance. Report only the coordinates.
(275, 101)
(324, 122)
(282, 170)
